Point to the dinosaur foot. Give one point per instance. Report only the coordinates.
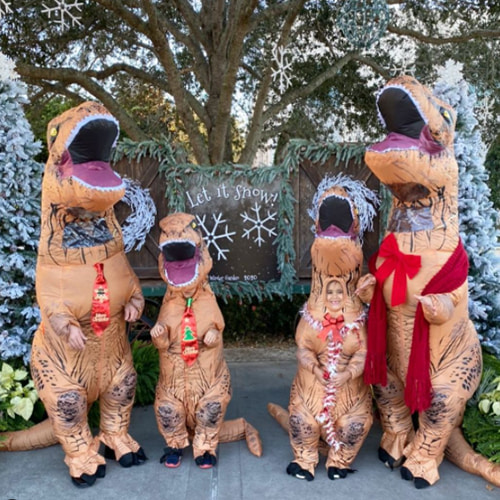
(205, 461)
(419, 482)
(297, 471)
(87, 480)
(389, 461)
(129, 459)
(171, 457)
(335, 473)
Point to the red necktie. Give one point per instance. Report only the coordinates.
(403, 265)
(99, 316)
(189, 342)
(333, 325)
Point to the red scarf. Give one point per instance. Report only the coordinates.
(418, 388)
(333, 325)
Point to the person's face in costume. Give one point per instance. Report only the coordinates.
(334, 297)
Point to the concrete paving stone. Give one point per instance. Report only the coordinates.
(42, 474)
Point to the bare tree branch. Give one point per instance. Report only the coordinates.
(471, 35)
(70, 76)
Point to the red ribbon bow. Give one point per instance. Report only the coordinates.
(333, 325)
(403, 265)
(100, 311)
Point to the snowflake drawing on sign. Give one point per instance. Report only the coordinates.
(211, 238)
(259, 224)
(282, 67)
(62, 13)
(4, 8)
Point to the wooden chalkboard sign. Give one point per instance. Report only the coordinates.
(255, 220)
(239, 222)
(246, 215)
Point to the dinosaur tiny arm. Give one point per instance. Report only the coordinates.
(438, 307)
(306, 355)
(365, 288)
(212, 337)
(159, 336)
(134, 307)
(357, 362)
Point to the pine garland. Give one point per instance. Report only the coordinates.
(178, 174)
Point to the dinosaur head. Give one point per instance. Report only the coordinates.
(184, 261)
(342, 210)
(78, 174)
(421, 129)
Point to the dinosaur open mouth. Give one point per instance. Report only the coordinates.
(335, 218)
(88, 151)
(405, 123)
(180, 261)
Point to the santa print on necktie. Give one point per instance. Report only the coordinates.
(189, 342)
(100, 312)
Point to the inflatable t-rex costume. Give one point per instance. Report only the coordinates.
(329, 400)
(86, 291)
(423, 351)
(194, 387)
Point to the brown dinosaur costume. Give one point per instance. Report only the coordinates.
(428, 358)
(329, 400)
(194, 388)
(86, 291)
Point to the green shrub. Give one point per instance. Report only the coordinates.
(261, 323)
(481, 425)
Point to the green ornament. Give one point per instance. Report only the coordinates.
(363, 22)
(188, 334)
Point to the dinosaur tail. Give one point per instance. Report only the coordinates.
(282, 417)
(459, 452)
(238, 429)
(39, 436)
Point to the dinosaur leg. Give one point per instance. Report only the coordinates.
(395, 418)
(171, 419)
(209, 416)
(352, 429)
(66, 405)
(452, 386)
(116, 406)
(304, 435)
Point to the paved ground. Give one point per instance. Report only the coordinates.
(41, 474)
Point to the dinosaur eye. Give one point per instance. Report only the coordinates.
(446, 115)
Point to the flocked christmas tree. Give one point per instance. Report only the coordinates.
(20, 180)
(477, 214)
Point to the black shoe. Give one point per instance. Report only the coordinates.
(419, 482)
(101, 471)
(84, 481)
(127, 460)
(295, 470)
(383, 456)
(335, 473)
(171, 457)
(133, 458)
(205, 461)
